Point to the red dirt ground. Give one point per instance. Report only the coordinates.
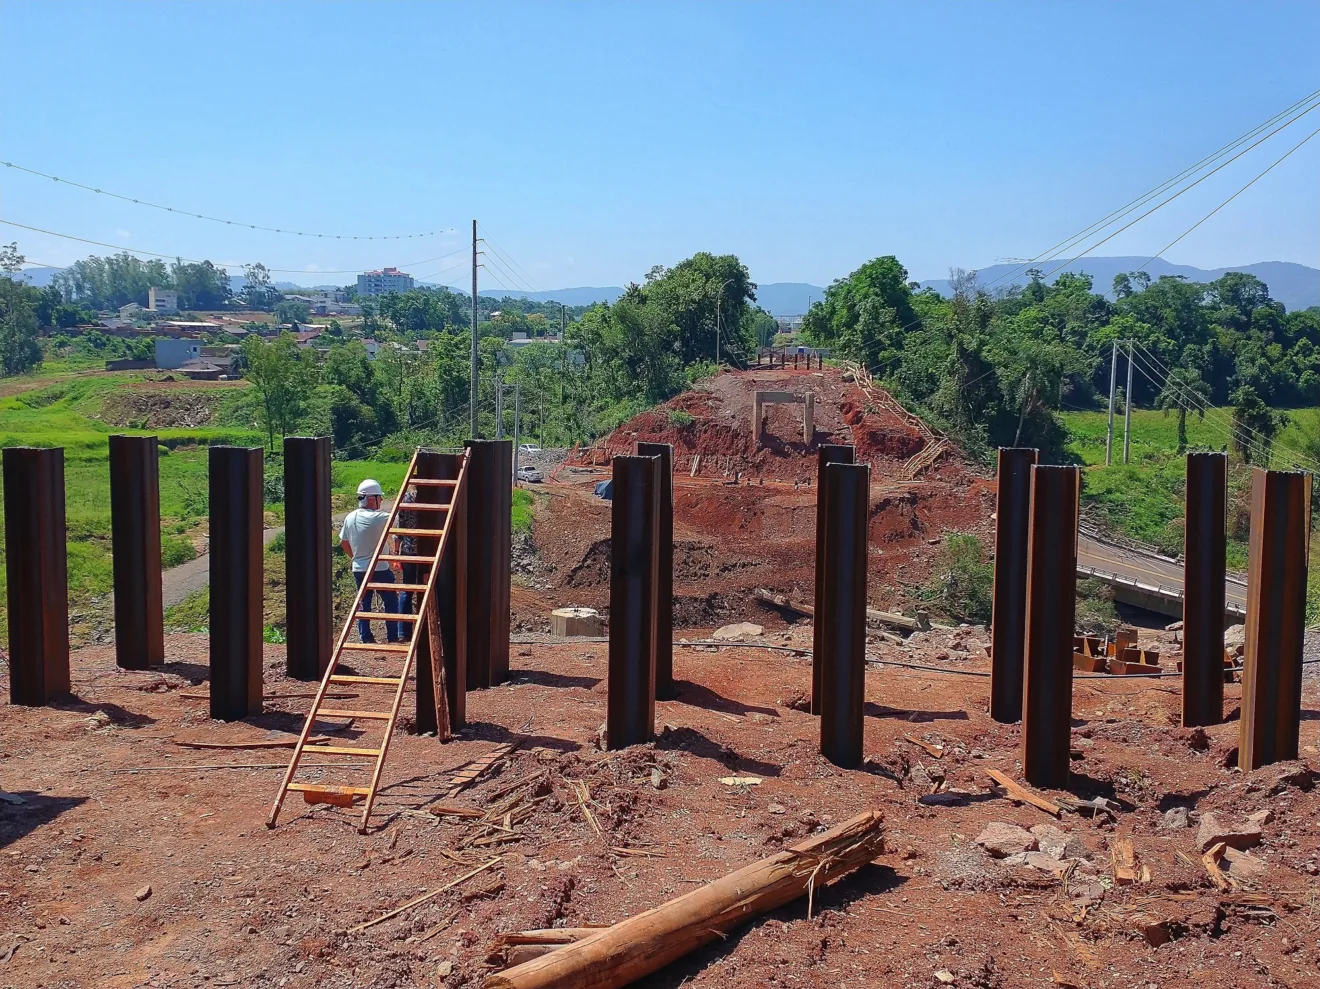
(233, 904)
(733, 538)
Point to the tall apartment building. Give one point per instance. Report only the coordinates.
(385, 280)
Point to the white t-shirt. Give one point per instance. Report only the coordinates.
(361, 529)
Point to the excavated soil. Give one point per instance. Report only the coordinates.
(125, 862)
(162, 405)
(747, 519)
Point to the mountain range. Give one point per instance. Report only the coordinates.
(1297, 286)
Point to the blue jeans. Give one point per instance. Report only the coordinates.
(389, 601)
(411, 575)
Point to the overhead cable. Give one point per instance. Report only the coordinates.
(218, 219)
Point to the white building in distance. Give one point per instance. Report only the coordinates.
(162, 300)
(385, 280)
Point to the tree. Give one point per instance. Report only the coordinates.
(1255, 425)
(11, 262)
(865, 315)
(19, 350)
(201, 285)
(258, 292)
(1184, 387)
(283, 377)
(291, 311)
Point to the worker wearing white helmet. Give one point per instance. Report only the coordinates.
(358, 537)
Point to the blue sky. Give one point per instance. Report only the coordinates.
(595, 140)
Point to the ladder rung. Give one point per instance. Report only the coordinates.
(345, 678)
(340, 750)
(387, 616)
(426, 482)
(417, 532)
(423, 506)
(396, 587)
(396, 558)
(347, 791)
(326, 712)
(376, 647)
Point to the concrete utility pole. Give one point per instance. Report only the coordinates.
(563, 323)
(1127, 409)
(517, 435)
(472, 389)
(1113, 381)
(499, 409)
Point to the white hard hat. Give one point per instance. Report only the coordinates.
(368, 488)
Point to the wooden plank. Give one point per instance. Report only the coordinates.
(345, 678)
(396, 587)
(326, 712)
(1020, 793)
(386, 616)
(343, 750)
(404, 558)
(1124, 861)
(424, 482)
(374, 647)
(418, 532)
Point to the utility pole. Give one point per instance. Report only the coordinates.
(499, 408)
(1113, 381)
(1127, 409)
(540, 429)
(563, 322)
(472, 390)
(517, 434)
(717, 328)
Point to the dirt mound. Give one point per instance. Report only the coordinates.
(712, 433)
(139, 408)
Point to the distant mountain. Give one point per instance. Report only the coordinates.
(583, 296)
(1295, 285)
(777, 298)
(40, 277)
(788, 298)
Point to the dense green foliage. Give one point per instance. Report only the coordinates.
(114, 281)
(994, 369)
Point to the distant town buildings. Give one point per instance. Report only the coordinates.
(162, 300)
(383, 281)
(176, 353)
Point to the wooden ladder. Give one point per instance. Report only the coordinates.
(346, 796)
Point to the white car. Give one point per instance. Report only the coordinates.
(530, 474)
(529, 448)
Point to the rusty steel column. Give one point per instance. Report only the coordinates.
(1204, 596)
(1276, 617)
(308, 548)
(1051, 612)
(634, 565)
(664, 591)
(236, 581)
(37, 575)
(489, 549)
(1008, 625)
(502, 565)
(135, 528)
(841, 613)
(449, 592)
(826, 453)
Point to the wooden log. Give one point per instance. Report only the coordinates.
(640, 945)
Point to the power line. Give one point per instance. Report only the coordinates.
(159, 254)
(1184, 189)
(1206, 410)
(218, 219)
(1277, 161)
(1058, 248)
(504, 255)
(516, 284)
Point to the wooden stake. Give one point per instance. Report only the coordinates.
(1018, 792)
(423, 898)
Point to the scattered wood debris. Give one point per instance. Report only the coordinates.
(935, 750)
(640, 945)
(425, 896)
(1021, 794)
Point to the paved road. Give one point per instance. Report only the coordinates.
(177, 583)
(1146, 568)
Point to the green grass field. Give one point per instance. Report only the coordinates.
(1144, 498)
(60, 410)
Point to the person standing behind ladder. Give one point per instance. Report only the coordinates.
(358, 536)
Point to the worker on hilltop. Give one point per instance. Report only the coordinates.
(358, 537)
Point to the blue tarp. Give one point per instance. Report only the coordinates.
(604, 489)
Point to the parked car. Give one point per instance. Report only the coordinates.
(530, 474)
(529, 448)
